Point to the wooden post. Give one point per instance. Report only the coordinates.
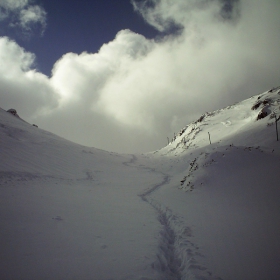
(167, 141)
(209, 138)
(276, 120)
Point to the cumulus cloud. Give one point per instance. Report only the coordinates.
(22, 85)
(135, 92)
(22, 14)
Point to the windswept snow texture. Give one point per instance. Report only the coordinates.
(192, 210)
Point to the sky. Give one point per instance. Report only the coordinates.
(125, 75)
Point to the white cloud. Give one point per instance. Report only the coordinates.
(13, 4)
(135, 92)
(20, 85)
(14, 59)
(80, 78)
(32, 15)
(182, 77)
(22, 14)
(161, 14)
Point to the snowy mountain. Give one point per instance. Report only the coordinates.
(206, 206)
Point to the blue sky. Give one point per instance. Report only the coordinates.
(78, 26)
(125, 75)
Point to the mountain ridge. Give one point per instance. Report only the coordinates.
(234, 119)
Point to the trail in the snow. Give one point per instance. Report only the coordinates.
(178, 258)
(132, 161)
(168, 262)
(165, 181)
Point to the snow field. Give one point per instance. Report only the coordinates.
(192, 210)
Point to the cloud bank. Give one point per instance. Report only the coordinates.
(135, 92)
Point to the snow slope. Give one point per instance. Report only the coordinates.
(192, 210)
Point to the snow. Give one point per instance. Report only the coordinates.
(192, 210)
